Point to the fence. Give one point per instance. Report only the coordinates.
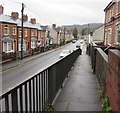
(7, 57)
(38, 92)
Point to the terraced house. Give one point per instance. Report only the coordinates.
(10, 30)
(112, 23)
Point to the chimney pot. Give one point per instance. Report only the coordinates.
(25, 18)
(15, 14)
(33, 20)
(54, 25)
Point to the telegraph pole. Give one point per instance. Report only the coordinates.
(64, 34)
(22, 31)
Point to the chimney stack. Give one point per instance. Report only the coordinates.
(33, 20)
(25, 18)
(1, 9)
(15, 15)
(54, 25)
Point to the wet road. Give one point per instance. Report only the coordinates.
(14, 76)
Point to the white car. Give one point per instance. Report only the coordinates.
(78, 44)
(64, 53)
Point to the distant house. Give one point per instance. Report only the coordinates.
(97, 35)
(112, 23)
(47, 35)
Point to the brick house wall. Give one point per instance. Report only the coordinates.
(10, 34)
(111, 20)
(42, 36)
(30, 31)
(113, 79)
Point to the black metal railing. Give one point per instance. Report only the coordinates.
(39, 91)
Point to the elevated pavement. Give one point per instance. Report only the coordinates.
(80, 92)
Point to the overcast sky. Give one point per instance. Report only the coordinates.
(60, 12)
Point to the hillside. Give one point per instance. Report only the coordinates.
(83, 29)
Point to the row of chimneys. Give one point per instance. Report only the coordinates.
(16, 15)
(25, 17)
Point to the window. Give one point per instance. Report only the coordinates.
(42, 34)
(33, 44)
(24, 46)
(7, 46)
(109, 36)
(14, 30)
(26, 33)
(20, 33)
(35, 33)
(32, 33)
(118, 33)
(38, 34)
(6, 30)
(119, 7)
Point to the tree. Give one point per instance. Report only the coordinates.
(75, 32)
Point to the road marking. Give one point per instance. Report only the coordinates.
(10, 69)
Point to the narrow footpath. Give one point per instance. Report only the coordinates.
(80, 92)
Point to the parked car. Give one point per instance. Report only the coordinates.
(64, 53)
(74, 40)
(78, 44)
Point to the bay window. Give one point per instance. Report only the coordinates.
(7, 46)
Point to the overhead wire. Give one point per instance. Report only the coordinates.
(37, 14)
(29, 8)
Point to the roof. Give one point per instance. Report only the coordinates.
(29, 24)
(57, 29)
(7, 19)
(44, 27)
(10, 19)
(109, 5)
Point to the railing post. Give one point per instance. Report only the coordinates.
(14, 101)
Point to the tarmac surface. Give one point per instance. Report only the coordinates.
(80, 92)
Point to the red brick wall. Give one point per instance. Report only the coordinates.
(113, 79)
(112, 24)
(42, 35)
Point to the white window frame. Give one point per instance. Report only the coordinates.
(25, 32)
(24, 46)
(14, 30)
(20, 33)
(33, 44)
(8, 47)
(6, 30)
(39, 34)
